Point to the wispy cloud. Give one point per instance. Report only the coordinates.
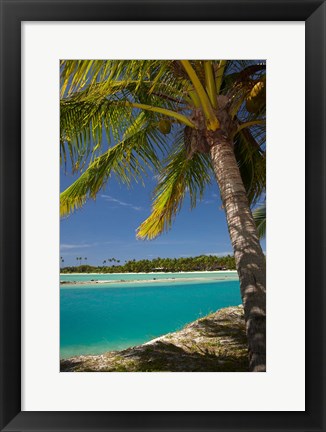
(121, 203)
(76, 246)
(67, 246)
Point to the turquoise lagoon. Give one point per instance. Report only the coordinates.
(124, 310)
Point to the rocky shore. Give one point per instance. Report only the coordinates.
(215, 343)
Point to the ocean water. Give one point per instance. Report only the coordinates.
(116, 315)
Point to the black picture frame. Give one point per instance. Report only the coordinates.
(13, 12)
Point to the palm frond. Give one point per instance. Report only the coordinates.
(181, 175)
(82, 76)
(239, 79)
(130, 159)
(252, 164)
(101, 107)
(246, 66)
(259, 215)
(82, 125)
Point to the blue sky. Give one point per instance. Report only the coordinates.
(106, 227)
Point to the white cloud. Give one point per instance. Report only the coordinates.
(68, 246)
(76, 246)
(122, 203)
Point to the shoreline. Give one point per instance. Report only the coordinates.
(139, 281)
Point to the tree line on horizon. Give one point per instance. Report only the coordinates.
(198, 263)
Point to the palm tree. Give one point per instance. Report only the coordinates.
(190, 121)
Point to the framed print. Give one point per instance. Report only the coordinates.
(282, 44)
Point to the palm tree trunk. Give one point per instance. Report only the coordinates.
(249, 257)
